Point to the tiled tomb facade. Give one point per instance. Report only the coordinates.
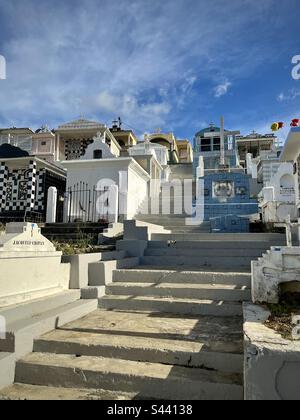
(24, 187)
(226, 198)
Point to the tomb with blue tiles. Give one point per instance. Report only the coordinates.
(227, 196)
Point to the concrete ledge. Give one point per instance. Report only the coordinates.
(272, 364)
(79, 277)
(141, 231)
(34, 307)
(79, 268)
(114, 230)
(92, 292)
(133, 248)
(101, 273)
(7, 369)
(20, 334)
(279, 265)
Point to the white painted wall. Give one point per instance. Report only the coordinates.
(284, 183)
(92, 171)
(279, 200)
(137, 192)
(99, 144)
(30, 266)
(251, 165)
(157, 150)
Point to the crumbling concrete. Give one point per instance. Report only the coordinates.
(272, 363)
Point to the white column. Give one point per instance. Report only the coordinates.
(67, 208)
(57, 147)
(113, 204)
(123, 194)
(200, 168)
(51, 205)
(289, 241)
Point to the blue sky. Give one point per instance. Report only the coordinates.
(173, 64)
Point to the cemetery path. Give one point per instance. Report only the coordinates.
(170, 328)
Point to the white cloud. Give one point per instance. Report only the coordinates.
(222, 89)
(137, 59)
(150, 113)
(289, 96)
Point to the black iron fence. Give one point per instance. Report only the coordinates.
(22, 216)
(82, 205)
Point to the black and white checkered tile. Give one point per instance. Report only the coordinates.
(22, 189)
(31, 186)
(40, 191)
(76, 148)
(3, 184)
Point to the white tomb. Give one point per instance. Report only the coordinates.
(30, 266)
(278, 197)
(98, 149)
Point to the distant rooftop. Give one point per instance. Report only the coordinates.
(82, 124)
(16, 129)
(255, 135)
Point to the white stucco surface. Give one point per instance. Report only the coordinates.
(279, 265)
(272, 363)
(132, 189)
(31, 264)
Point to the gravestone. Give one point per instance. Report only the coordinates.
(31, 267)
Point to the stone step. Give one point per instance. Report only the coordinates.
(20, 334)
(235, 263)
(159, 325)
(186, 277)
(160, 220)
(92, 292)
(184, 231)
(171, 305)
(38, 306)
(229, 293)
(274, 239)
(211, 245)
(114, 255)
(202, 253)
(150, 379)
(225, 356)
(26, 392)
(101, 272)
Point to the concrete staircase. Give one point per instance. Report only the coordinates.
(28, 321)
(170, 204)
(174, 222)
(139, 355)
(170, 328)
